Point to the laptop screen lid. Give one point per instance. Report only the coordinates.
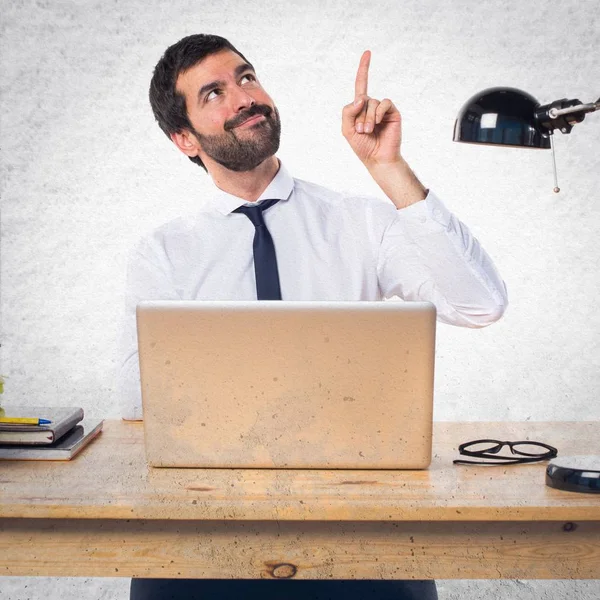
(265, 384)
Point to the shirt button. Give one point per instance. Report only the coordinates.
(437, 213)
(423, 219)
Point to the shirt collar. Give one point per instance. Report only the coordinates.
(281, 187)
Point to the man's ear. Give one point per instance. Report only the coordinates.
(186, 142)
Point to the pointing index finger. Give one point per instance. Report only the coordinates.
(362, 76)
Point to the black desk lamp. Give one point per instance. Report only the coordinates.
(511, 117)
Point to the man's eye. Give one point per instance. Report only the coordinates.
(218, 91)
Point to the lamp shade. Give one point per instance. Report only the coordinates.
(500, 115)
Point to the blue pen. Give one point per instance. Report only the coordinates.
(24, 421)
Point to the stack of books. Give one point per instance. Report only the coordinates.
(45, 433)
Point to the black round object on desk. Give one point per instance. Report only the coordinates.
(574, 474)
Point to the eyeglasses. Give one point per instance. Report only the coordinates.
(487, 452)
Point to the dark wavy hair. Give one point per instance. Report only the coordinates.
(168, 105)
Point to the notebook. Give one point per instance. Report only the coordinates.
(265, 384)
(65, 448)
(63, 419)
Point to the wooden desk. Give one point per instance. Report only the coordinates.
(107, 513)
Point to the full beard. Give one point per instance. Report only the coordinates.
(248, 150)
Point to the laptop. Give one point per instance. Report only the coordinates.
(303, 385)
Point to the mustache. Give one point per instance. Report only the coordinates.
(253, 111)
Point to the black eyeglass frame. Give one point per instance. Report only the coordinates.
(520, 458)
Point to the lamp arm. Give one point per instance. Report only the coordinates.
(583, 108)
(562, 114)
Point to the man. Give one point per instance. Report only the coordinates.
(314, 244)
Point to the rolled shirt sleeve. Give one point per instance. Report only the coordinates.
(428, 254)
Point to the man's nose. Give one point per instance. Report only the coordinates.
(242, 100)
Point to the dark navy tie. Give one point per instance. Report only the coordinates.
(265, 261)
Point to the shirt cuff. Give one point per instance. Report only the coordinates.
(428, 215)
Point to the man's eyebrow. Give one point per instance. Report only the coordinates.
(215, 84)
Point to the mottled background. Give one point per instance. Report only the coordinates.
(86, 171)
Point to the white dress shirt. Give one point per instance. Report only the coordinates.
(329, 246)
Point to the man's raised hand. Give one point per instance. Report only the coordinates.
(373, 128)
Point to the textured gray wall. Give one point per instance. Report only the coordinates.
(86, 171)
